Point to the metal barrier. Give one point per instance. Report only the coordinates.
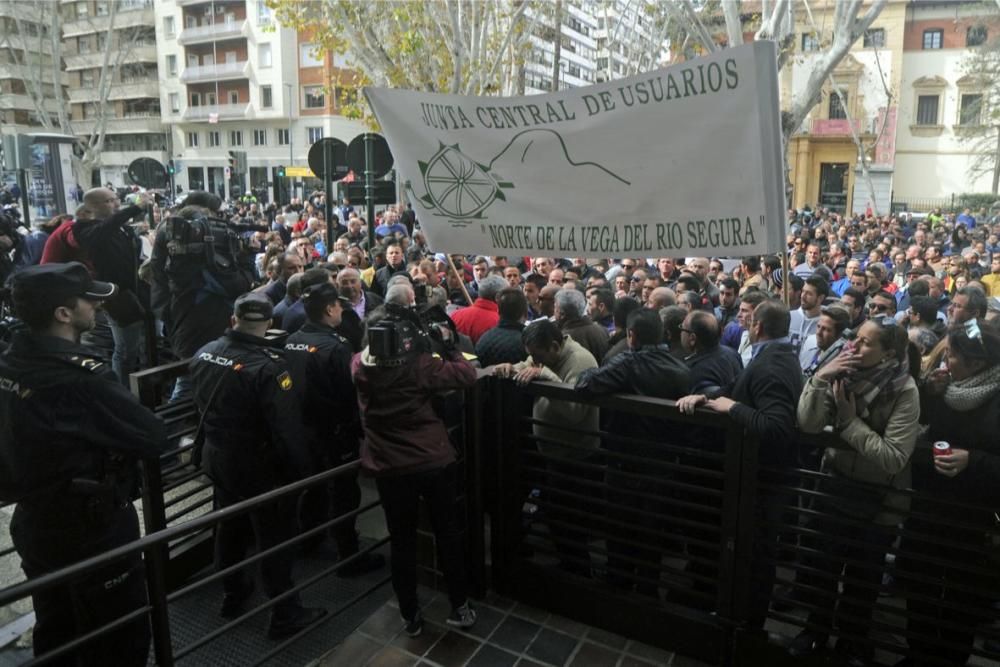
(177, 546)
(686, 539)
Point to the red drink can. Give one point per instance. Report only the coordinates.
(942, 448)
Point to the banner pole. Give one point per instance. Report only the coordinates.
(785, 295)
(461, 280)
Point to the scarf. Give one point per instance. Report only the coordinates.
(885, 379)
(970, 393)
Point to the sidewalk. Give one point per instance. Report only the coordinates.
(506, 634)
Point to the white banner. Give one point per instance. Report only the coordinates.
(682, 161)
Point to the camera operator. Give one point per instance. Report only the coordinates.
(70, 436)
(199, 266)
(406, 445)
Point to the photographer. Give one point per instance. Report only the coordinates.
(406, 445)
(199, 267)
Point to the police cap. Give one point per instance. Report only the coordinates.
(56, 283)
(324, 294)
(253, 307)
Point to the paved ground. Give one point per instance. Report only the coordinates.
(506, 634)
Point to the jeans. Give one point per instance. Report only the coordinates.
(182, 389)
(127, 339)
(400, 501)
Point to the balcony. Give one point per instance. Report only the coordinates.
(188, 3)
(212, 32)
(129, 124)
(140, 52)
(841, 127)
(223, 111)
(217, 72)
(136, 15)
(126, 90)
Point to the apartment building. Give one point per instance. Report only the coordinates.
(940, 101)
(26, 62)
(235, 80)
(577, 52)
(113, 39)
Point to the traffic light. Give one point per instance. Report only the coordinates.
(233, 162)
(281, 171)
(171, 169)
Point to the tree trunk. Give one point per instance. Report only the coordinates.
(996, 165)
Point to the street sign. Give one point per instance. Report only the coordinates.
(299, 172)
(381, 156)
(148, 173)
(336, 158)
(385, 192)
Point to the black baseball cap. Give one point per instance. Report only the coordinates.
(325, 293)
(58, 282)
(253, 307)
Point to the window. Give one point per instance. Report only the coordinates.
(86, 79)
(260, 137)
(83, 44)
(314, 97)
(927, 110)
(810, 42)
(264, 55)
(313, 134)
(307, 58)
(101, 8)
(168, 26)
(837, 110)
(875, 38)
(975, 35)
(932, 38)
(81, 10)
(214, 139)
(192, 140)
(234, 97)
(263, 13)
(171, 65)
(175, 103)
(266, 101)
(236, 137)
(971, 110)
(283, 137)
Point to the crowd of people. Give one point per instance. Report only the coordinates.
(881, 327)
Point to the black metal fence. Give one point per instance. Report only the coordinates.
(697, 538)
(676, 530)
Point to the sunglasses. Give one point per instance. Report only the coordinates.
(628, 266)
(879, 307)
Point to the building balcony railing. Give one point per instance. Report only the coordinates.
(126, 124)
(141, 52)
(217, 72)
(219, 111)
(213, 32)
(126, 90)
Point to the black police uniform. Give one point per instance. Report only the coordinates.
(320, 360)
(254, 443)
(70, 435)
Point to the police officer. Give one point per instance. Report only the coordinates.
(321, 366)
(70, 436)
(253, 443)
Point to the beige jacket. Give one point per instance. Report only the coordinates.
(880, 447)
(573, 360)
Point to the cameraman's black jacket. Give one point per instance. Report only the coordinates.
(68, 429)
(320, 360)
(254, 440)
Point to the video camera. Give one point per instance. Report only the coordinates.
(406, 333)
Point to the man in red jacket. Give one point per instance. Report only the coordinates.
(482, 315)
(406, 446)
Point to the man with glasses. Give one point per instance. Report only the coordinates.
(882, 303)
(968, 303)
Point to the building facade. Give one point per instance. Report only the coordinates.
(234, 80)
